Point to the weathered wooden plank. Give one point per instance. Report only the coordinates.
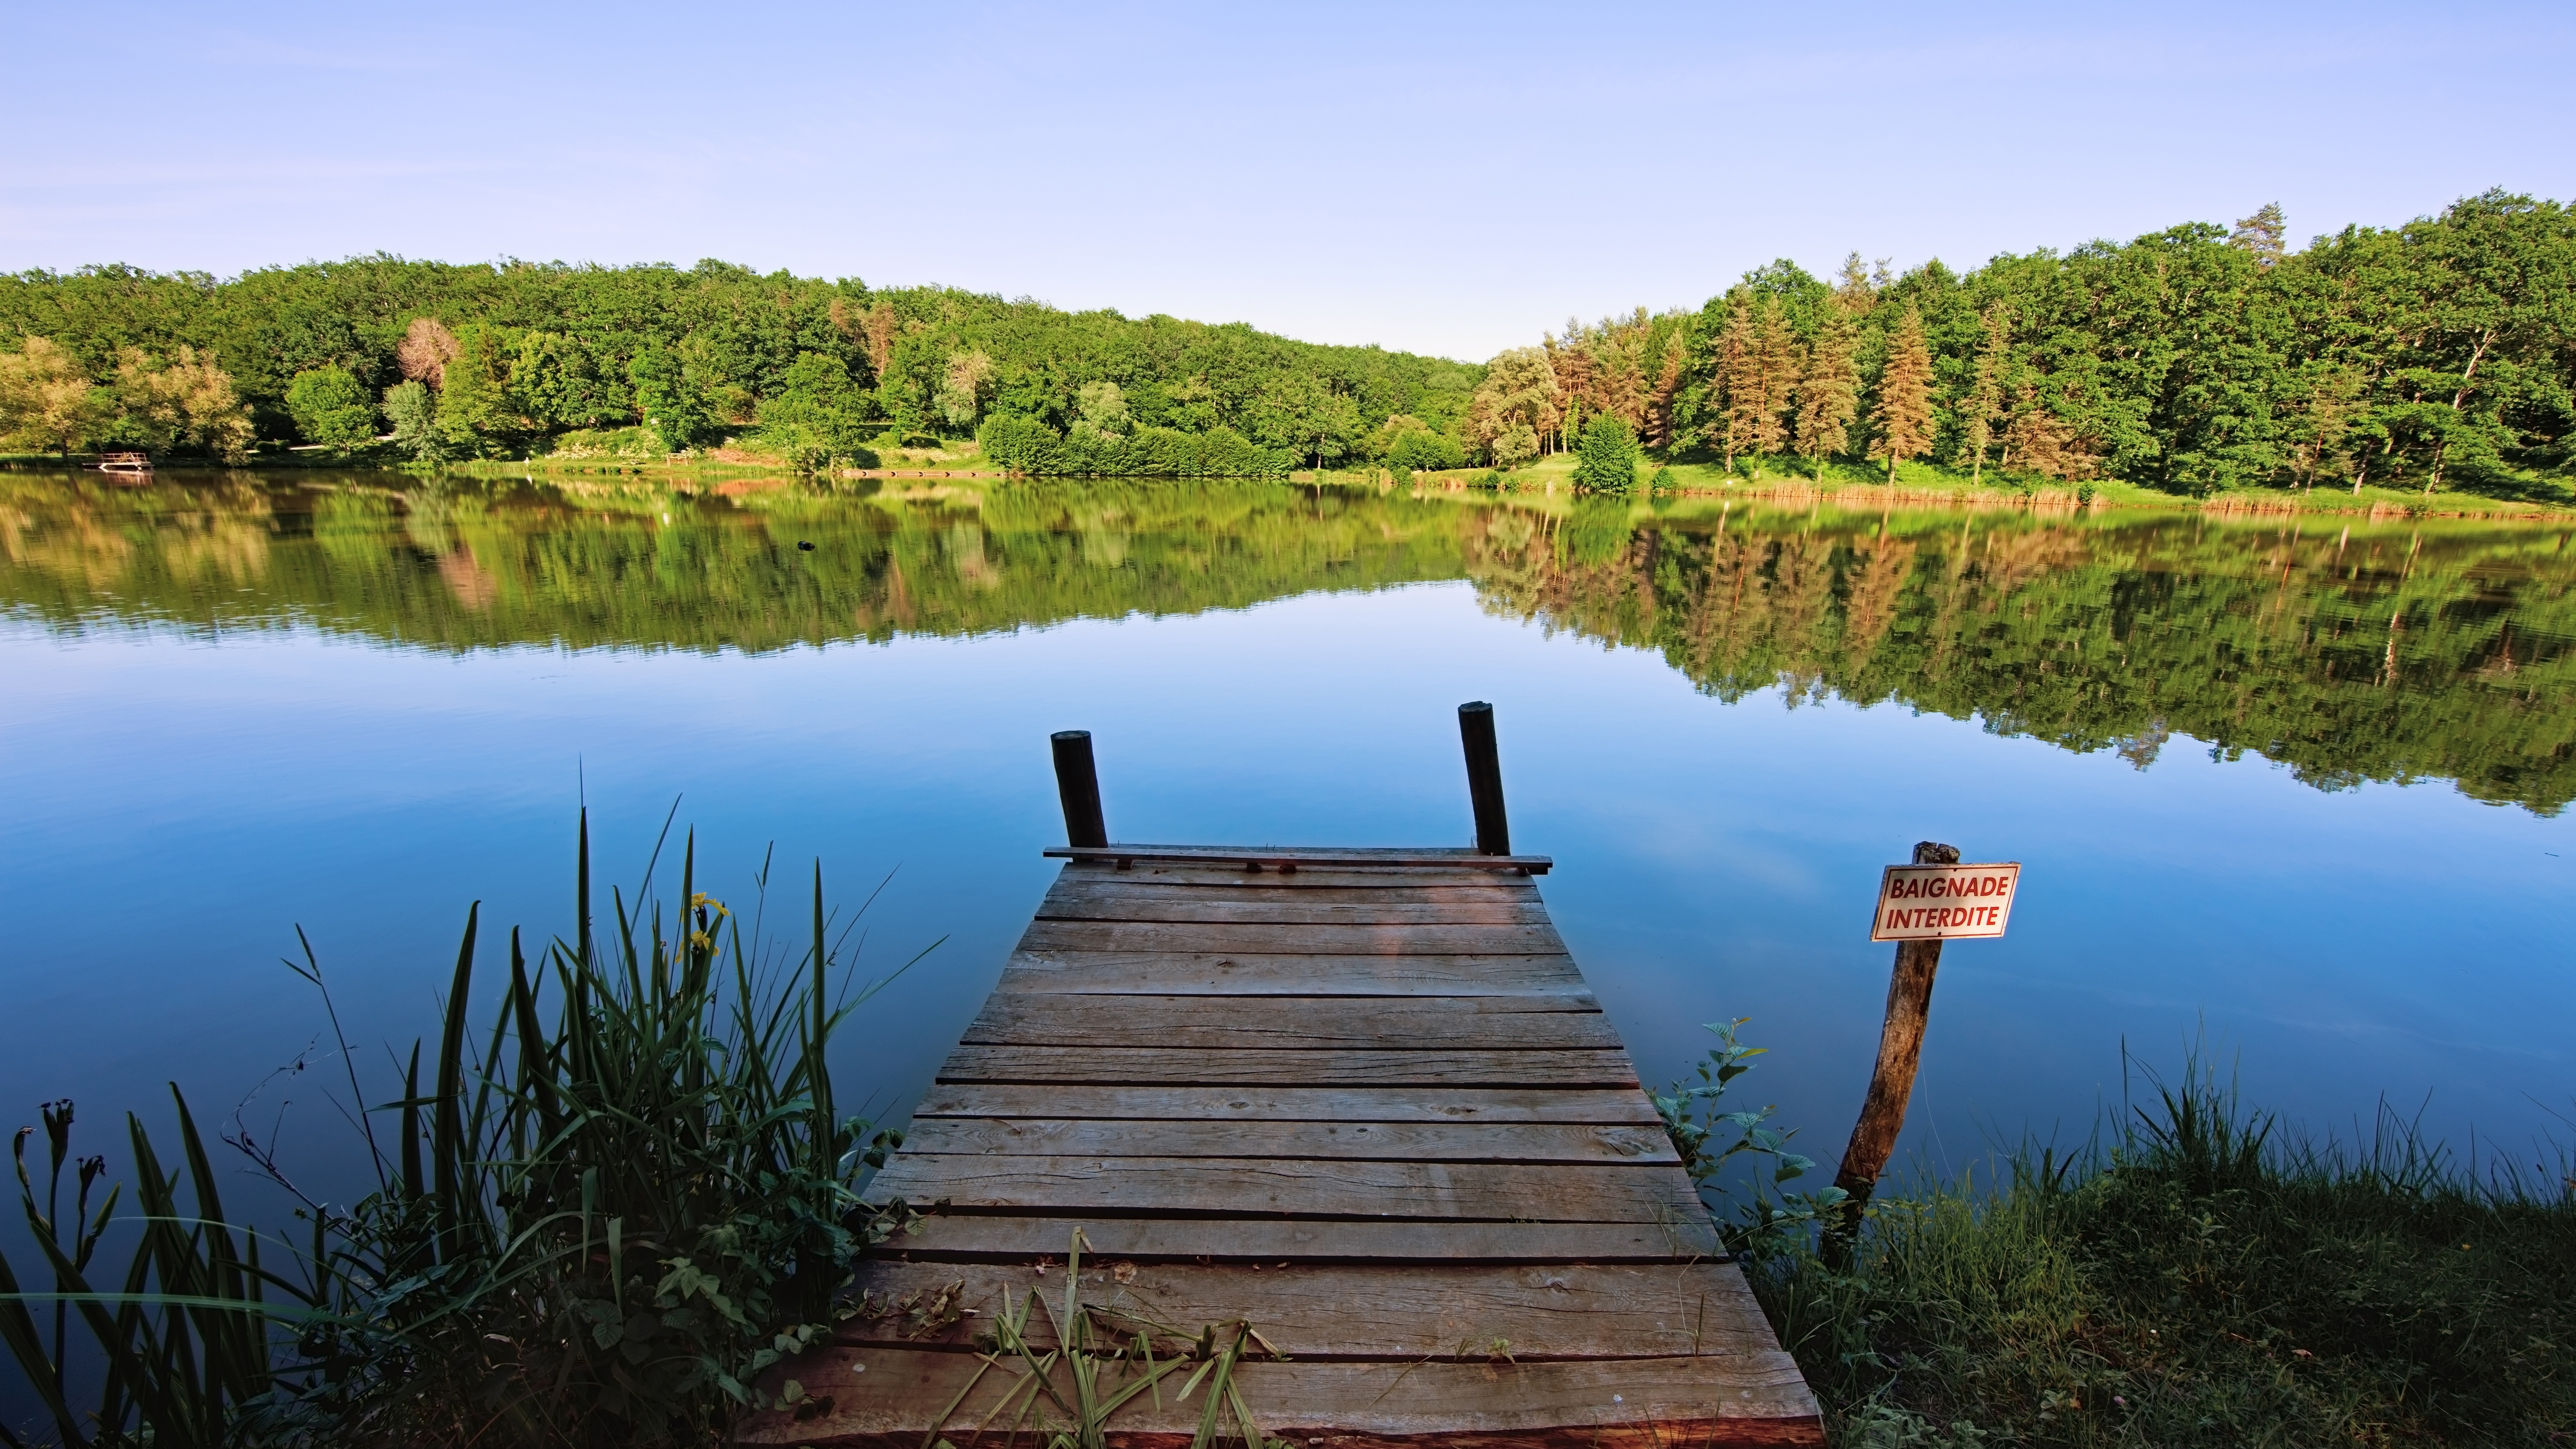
(1300, 912)
(1538, 939)
(1303, 1023)
(1385, 1141)
(1342, 877)
(884, 1398)
(1290, 1104)
(1276, 857)
(1246, 973)
(1389, 887)
(1543, 1311)
(1560, 1192)
(963, 1237)
(970, 1062)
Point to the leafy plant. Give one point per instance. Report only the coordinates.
(1708, 1137)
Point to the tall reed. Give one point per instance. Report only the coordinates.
(594, 1221)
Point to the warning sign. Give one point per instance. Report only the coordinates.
(1944, 902)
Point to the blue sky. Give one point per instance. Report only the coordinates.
(1444, 179)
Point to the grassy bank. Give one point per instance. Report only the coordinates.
(1922, 484)
(2199, 1280)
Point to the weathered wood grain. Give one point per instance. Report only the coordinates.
(1290, 1104)
(1293, 940)
(1394, 1246)
(1387, 1141)
(1339, 877)
(883, 1398)
(1246, 973)
(1375, 1111)
(1431, 1310)
(1206, 1023)
(1557, 1192)
(1123, 1064)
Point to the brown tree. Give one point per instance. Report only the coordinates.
(1735, 352)
(1904, 422)
(425, 350)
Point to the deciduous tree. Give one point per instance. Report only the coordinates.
(331, 409)
(47, 399)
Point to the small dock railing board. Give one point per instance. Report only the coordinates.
(1360, 1099)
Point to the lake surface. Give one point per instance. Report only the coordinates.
(2295, 792)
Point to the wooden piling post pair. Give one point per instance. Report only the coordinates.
(1077, 783)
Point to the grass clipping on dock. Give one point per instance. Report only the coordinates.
(1102, 1360)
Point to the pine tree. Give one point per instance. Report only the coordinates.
(1852, 290)
(2264, 234)
(1985, 399)
(1904, 396)
(1734, 364)
(1829, 394)
(1759, 392)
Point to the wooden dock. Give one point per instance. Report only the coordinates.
(1363, 1101)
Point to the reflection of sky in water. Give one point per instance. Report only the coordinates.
(176, 803)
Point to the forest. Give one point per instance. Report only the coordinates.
(2201, 358)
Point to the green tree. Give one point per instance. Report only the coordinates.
(1904, 420)
(2265, 234)
(813, 415)
(331, 409)
(181, 401)
(668, 398)
(411, 409)
(1829, 394)
(47, 399)
(1983, 402)
(1606, 455)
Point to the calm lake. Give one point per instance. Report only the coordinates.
(2294, 793)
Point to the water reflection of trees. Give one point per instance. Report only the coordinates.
(2350, 655)
(2385, 652)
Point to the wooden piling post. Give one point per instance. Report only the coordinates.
(1078, 783)
(1900, 1051)
(1484, 778)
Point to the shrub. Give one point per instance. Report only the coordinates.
(1606, 456)
(331, 409)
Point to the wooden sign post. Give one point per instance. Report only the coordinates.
(1921, 905)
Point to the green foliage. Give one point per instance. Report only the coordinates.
(596, 1222)
(2441, 353)
(2094, 631)
(2197, 1280)
(412, 410)
(1708, 1138)
(814, 417)
(1026, 446)
(331, 409)
(668, 399)
(1606, 459)
(2109, 635)
(695, 352)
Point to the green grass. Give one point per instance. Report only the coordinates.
(599, 1213)
(2199, 1281)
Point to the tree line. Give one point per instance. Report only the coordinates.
(2198, 358)
(430, 361)
(2192, 359)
